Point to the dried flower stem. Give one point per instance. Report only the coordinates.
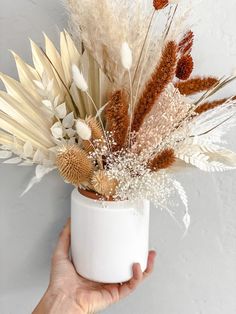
(143, 46)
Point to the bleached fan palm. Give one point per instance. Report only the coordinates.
(38, 111)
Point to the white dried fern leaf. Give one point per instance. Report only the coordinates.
(208, 157)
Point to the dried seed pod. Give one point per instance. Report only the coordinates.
(97, 134)
(184, 67)
(160, 4)
(74, 165)
(102, 184)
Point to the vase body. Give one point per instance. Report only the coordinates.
(107, 238)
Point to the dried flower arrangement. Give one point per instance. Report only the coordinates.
(112, 111)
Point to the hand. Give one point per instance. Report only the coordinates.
(74, 294)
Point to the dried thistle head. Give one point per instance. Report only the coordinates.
(160, 4)
(74, 165)
(163, 160)
(184, 67)
(102, 184)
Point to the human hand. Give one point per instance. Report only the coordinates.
(70, 293)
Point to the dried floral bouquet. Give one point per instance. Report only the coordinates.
(112, 111)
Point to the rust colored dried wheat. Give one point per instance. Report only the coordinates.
(184, 67)
(117, 118)
(161, 77)
(163, 160)
(196, 85)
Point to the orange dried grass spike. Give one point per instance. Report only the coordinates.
(184, 67)
(97, 134)
(196, 85)
(163, 160)
(74, 165)
(117, 118)
(211, 105)
(162, 76)
(160, 4)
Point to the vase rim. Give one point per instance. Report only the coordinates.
(107, 205)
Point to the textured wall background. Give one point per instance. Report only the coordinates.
(196, 275)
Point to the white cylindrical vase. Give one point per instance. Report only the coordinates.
(108, 237)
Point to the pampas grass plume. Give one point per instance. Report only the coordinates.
(74, 165)
(126, 56)
(79, 79)
(83, 130)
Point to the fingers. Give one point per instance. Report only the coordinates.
(131, 285)
(150, 264)
(63, 245)
(138, 276)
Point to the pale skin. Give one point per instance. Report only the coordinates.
(69, 293)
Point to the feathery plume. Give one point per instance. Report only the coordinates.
(186, 44)
(102, 184)
(126, 56)
(161, 77)
(184, 67)
(196, 85)
(74, 165)
(83, 130)
(79, 78)
(163, 160)
(160, 4)
(97, 134)
(117, 118)
(211, 105)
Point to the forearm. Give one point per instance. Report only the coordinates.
(57, 304)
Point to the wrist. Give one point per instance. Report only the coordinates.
(57, 303)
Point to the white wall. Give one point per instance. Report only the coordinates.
(196, 275)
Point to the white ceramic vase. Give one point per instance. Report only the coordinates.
(107, 238)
